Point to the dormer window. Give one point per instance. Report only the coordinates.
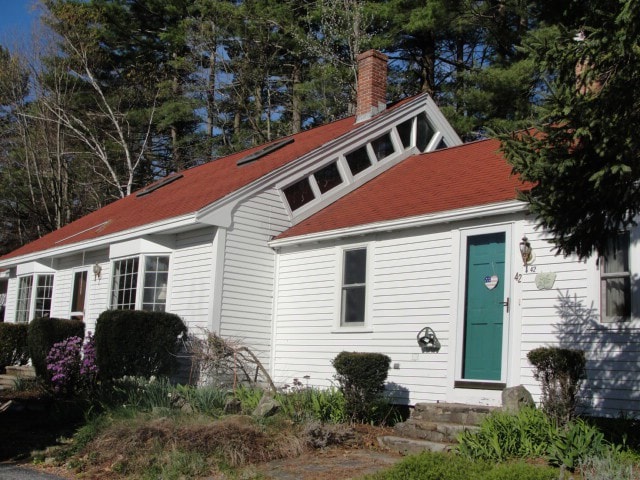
(328, 177)
(404, 131)
(425, 132)
(299, 194)
(383, 146)
(358, 160)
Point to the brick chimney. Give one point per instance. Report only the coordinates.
(372, 84)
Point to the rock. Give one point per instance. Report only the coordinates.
(267, 407)
(515, 399)
(232, 406)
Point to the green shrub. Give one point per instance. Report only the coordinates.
(560, 372)
(43, 333)
(612, 465)
(307, 404)
(361, 377)
(575, 442)
(14, 349)
(443, 466)
(137, 343)
(502, 436)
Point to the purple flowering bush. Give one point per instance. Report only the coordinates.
(72, 365)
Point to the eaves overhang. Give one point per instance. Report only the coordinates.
(499, 208)
(164, 226)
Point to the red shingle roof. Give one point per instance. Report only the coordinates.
(469, 175)
(199, 187)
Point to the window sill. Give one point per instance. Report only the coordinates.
(352, 330)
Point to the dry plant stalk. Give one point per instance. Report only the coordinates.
(218, 357)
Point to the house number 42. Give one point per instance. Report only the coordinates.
(518, 277)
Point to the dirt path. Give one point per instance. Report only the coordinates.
(331, 464)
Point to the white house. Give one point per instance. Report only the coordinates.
(366, 234)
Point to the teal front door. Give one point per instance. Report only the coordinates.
(484, 307)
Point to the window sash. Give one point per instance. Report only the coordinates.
(44, 294)
(354, 289)
(615, 279)
(125, 284)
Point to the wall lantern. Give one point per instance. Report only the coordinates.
(526, 252)
(428, 341)
(97, 270)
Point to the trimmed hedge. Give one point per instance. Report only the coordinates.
(137, 343)
(361, 377)
(13, 344)
(560, 372)
(43, 333)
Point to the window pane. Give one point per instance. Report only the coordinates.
(404, 130)
(358, 160)
(299, 194)
(328, 177)
(23, 305)
(353, 305)
(441, 144)
(617, 297)
(618, 256)
(355, 266)
(424, 132)
(383, 146)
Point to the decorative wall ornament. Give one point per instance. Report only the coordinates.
(545, 280)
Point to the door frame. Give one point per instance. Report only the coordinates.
(461, 289)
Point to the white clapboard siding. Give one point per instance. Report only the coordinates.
(410, 287)
(249, 272)
(191, 281)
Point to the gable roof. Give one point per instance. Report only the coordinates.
(468, 175)
(198, 187)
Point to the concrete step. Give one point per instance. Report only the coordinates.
(20, 371)
(7, 381)
(440, 432)
(407, 446)
(453, 413)
(435, 426)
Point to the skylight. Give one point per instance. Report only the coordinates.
(252, 157)
(159, 184)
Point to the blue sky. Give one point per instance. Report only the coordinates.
(16, 19)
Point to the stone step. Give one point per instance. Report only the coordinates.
(407, 446)
(454, 413)
(21, 371)
(7, 381)
(440, 432)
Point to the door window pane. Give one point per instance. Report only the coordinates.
(79, 295)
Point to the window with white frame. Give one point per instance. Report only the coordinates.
(44, 293)
(156, 276)
(354, 275)
(616, 280)
(34, 303)
(152, 281)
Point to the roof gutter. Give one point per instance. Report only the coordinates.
(501, 208)
(103, 241)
